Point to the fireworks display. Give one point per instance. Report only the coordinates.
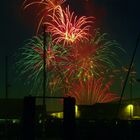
(78, 56)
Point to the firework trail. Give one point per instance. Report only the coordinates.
(92, 91)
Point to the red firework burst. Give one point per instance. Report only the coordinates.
(67, 28)
(92, 91)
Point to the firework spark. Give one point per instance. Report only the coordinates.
(92, 91)
(67, 28)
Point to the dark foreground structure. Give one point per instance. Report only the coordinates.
(23, 120)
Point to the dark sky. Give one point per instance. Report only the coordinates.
(119, 18)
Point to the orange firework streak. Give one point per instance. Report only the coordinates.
(46, 7)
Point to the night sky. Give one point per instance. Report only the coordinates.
(119, 18)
